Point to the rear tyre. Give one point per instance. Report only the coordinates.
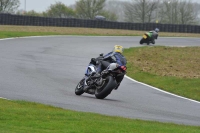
(106, 88)
(79, 88)
(153, 42)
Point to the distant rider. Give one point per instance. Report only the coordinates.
(153, 34)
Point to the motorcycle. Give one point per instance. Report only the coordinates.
(147, 38)
(100, 85)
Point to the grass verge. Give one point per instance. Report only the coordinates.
(39, 30)
(10, 34)
(23, 117)
(173, 69)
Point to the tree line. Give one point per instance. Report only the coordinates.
(136, 11)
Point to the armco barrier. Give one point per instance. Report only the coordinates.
(9, 19)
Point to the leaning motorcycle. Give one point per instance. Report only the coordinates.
(147, 38)
(100, 85)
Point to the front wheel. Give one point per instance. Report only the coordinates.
(108, 85)
(79, 88)
(142, 41)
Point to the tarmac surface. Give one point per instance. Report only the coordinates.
(47, 70)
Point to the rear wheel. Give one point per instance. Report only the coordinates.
(153, 42)
(106, 88)
(79, 88)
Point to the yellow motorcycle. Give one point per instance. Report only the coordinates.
(147, 38)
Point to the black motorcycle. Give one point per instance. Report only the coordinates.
(100, 85)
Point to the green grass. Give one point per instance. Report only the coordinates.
(10, 34)
(12, 31)
(23, 117)
(173, 69)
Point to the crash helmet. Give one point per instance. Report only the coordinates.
(118, 48)
(157, 30)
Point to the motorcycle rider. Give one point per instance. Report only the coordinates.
(102, 62)
(154, 35)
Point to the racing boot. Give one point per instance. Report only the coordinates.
(104, 73)
(117, 86)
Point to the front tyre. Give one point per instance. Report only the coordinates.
(153, 42)
(106, 88)
(79, 88)
(141, 41)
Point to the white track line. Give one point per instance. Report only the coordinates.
(161, 90)
(125, 76)
(4, 98)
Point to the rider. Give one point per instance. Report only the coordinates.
(102, 62)
(154, 35)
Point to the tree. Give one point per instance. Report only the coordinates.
(116, 8)
(88, 9)
(33, 13)
(178, 12)
(140, 10)
(9, 5)
(187, 14)
(168, 11)
(197, 12)
(109, 15)
(59, 10)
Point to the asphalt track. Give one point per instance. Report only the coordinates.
(47, 69)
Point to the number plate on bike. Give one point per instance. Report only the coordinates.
(144, 36)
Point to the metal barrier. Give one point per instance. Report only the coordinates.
(9, 19)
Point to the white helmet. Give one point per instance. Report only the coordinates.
(157, 30)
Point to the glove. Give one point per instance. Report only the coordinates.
(93, 61)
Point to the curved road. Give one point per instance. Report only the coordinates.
(47, 69)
